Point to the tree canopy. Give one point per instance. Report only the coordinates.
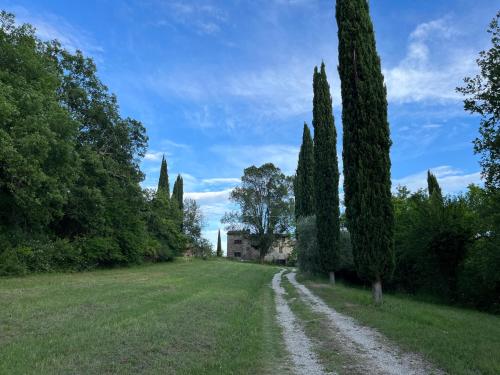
(265, 205)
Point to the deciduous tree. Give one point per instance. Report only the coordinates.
(265, 205)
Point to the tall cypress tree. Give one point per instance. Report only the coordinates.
(304, 179)
(433, 186)
(326, 173)
(178, 191)
(366, 145)
(163, 185)
(219, 245)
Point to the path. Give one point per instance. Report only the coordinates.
(370, 351)
(297, 343)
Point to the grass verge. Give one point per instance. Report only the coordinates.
(199, 317)
(460, 341)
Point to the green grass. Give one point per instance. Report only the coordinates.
(459, 341)
(199, 317)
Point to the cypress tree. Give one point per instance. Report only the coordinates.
(366, 145)
(178, 191)
(219, 245)
(163, 185)
(433, 186)
(326, 173)
(304, 179)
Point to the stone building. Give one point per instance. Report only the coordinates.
(239, 246)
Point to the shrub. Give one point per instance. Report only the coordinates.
(12, 263)
(307, 246)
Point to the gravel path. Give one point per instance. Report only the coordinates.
(375, 354)
(297, 343)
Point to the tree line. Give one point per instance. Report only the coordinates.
(420, 242)
(70, 194)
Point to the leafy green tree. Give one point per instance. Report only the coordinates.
(366, 145)
(265, 205)
(483, 98)
(194, 220)
(219, 245)
(326, 173)
(304, 177)
(38, 160)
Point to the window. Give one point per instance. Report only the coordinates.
(237, 254)
(237, 242)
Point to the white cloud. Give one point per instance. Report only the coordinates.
(450, 179)
(204, 19)
(154, 155)
(283, 156)
(435, 64)
(50, 26)
(221, 180)
(209, 197)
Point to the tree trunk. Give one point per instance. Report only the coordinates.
(332, 277)
(377, 292)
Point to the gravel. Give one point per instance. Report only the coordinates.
(370, 348)
(305, 361)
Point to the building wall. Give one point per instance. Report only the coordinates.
(239, 247)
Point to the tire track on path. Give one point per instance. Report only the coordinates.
(371, 349)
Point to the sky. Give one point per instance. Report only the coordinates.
(222, 85)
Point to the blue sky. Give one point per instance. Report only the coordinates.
(221, 85)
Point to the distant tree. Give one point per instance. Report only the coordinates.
(178, 192)
(219, 245)
(304, 177)
(178, 199)
(194, 220)
(265, 205)
(326, 174)
(163, 184)
(483, 98)
(366, 145)
(433, 187)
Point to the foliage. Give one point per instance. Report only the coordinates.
(366, 143)
(449, 248)
(69, 165)
(304, 177)
(163, 184)
(308, 257)
(265, 205)
(219, 245)
(194, 220)
(202, 248)
(326, 173)
(483, 98)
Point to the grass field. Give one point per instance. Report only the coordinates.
(210, 317)
(199, 317)
(460, 341)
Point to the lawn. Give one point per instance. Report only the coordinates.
(459, 341)
(196, 317)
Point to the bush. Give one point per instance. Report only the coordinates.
(202, 248)
(479, 278)
(308, 258)
(12, 263)
(100, 251)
